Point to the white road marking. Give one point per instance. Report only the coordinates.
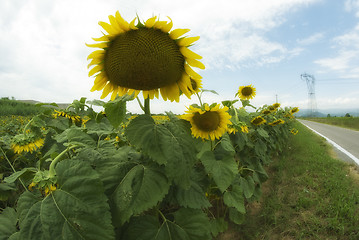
(356, 160)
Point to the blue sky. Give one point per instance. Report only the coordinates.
(266, 43)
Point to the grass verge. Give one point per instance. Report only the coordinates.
(309, 195)
(346, 122)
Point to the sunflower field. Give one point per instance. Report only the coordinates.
(76, 173)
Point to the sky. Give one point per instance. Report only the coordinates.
(265, 43)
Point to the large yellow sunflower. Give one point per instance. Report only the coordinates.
(246, 92)
(210, 123)
(146, 57)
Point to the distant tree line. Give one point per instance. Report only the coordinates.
(13, 107)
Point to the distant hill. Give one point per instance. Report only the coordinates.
(334, 112)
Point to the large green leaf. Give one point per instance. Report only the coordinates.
(222, 170)
(8, 221)
(150, 137)
(116, 111)
(142, 188)
(181, 153)
(234, 198)
(194, 197)
(76, 136)
(77, 209)
(187, 224)
(170, 144)
(248, 186)
(12, 178)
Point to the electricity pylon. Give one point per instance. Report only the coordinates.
(312, 104)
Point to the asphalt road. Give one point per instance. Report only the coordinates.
(348, 140)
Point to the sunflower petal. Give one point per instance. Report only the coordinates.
(178, 32)
(150, 22)
(191, 72)
(132, 24)
(94, 70)
(98, 45)
(189, 54)
(114, 93)
(168, 26)
(195, 63)
(108, 28)
(108, 88)
(96, 54)
(94, 62)
(104, 38)
(115, 24)
(184, 42)
(122, 22)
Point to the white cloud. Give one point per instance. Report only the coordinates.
(311, 39)
(352, 5)
(347, 58)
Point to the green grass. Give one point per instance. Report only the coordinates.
(347, 122)
(309, 195)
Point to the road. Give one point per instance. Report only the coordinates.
(345, 141)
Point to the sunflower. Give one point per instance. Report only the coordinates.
(294, 131)
(146, 57)
(294, 110)
(258, 120)
(246, 92)
(266, 111)
(276, 105)
(244, 129)
(26, 143)
(277, 122)
(210, 123)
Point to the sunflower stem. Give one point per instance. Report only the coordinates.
(199, 98)
(139, 103)
(12, 167)
(147, 106)
(52, 171)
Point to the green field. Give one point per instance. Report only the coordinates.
(309, 195)
(347, 122)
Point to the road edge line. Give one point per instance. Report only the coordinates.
(356, 160)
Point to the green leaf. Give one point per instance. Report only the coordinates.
(234, 198)
(116, 111)
(141, 189)
(188, 224)
(100, 128)
(226, 144)
(25, 171)
(194, 221)
(211, 91)
(8, 221)
(236, 216)
(96, 102)
(223, 170)
(77, 209)
(262, 132)
(218, 225)
(229, 103)
(248, 186)
(76, 136)
(194, 197)
(6, 190)
(170, 144)
(150, 137)
(180, 152)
